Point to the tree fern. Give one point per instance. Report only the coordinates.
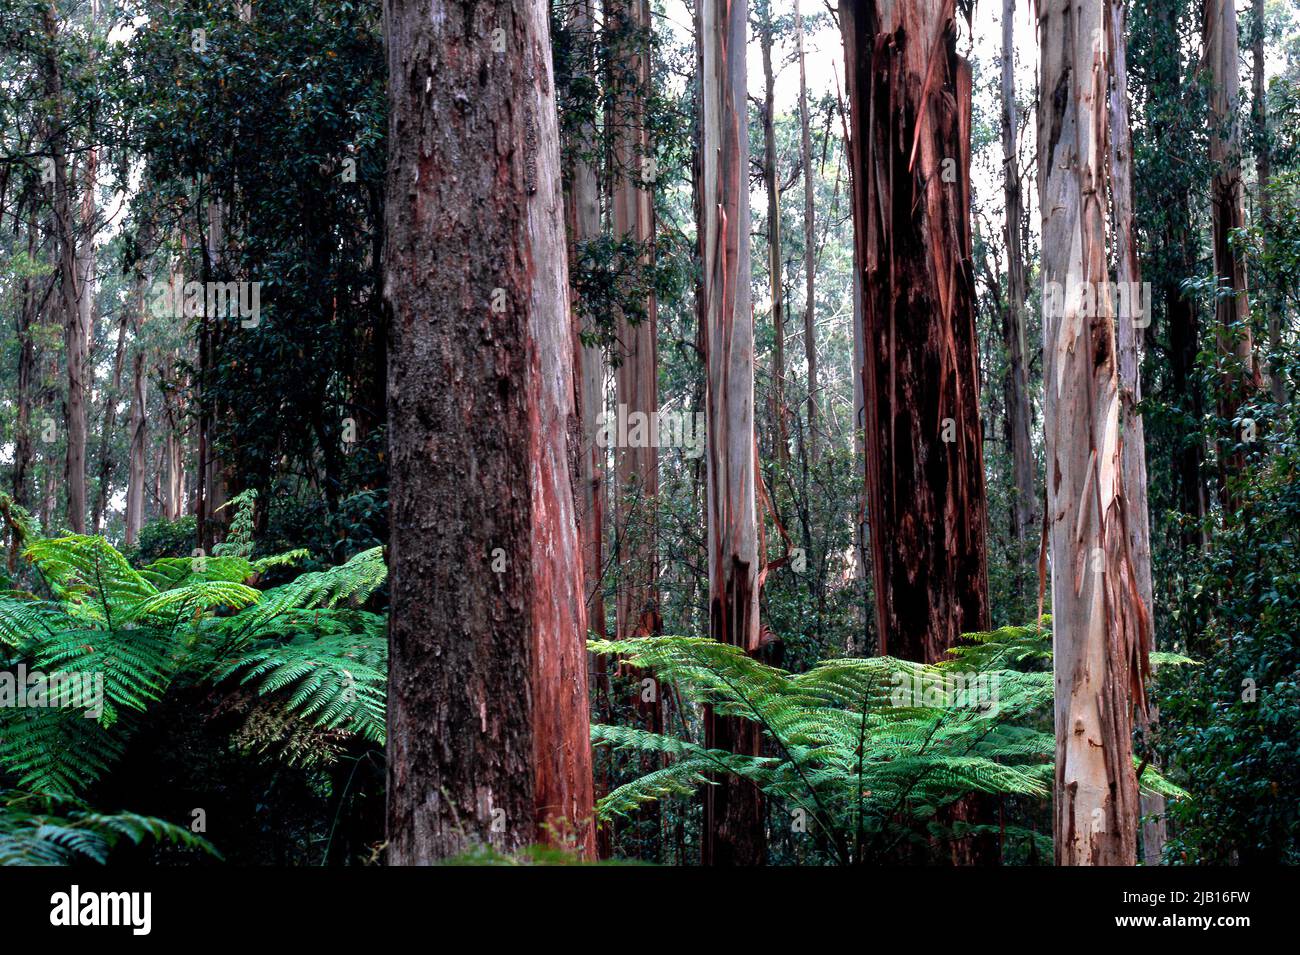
(41, 829)
(866, 749)
(303, 647)
(336, 680)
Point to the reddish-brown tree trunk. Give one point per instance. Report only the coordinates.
(733, 809)
(488, 737)
(909, 97)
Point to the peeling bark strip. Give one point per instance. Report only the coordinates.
(909, 95)
(733, 819)
(488, 723)
(1100, 628)
(1133, 441)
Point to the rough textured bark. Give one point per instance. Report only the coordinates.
(1232, 312)
(1100, 628)
(488, 723)
(809, 240)
(1133, 435)
(636, 378)
(909, 96)
(733, 815)
(776, 292)
(1013, 322)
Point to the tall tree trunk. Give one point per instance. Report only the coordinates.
(27, 318)
(1133, 435)
(137, 434)
(780, 429)
(1264, 174)
(809, 240)
(636, 377)
(1100, 628)
(1013, 324)
(174, 498)
(109, 425)
(583, 211)
(861, 536)
(215, 483)
(72, 272)
(137, 448)
(636, 380)
(909, 96)
(1240, 377)
(733, 809)
(488, 722)
(1178, 246)
(78, 338)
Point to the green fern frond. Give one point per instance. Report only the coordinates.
(857, 741)
(335, 682)
(50, 829)
(239, 536)
(348, 584)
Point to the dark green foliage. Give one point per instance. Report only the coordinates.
(164, 538)
(286, 111)
(1231, 729)
(301, 665)
(40, 829)
(863, 753)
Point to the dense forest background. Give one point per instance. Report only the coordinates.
(206, 285)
